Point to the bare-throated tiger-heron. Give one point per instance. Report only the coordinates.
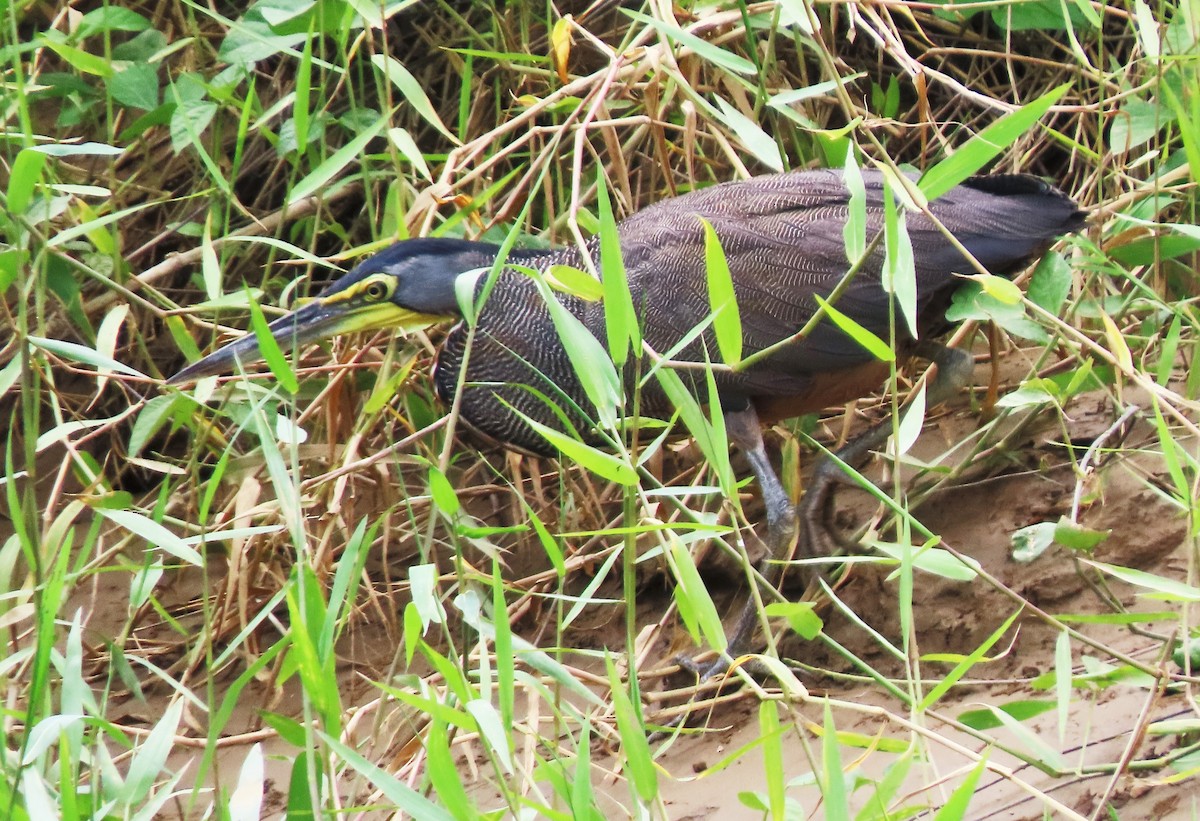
(783, 239)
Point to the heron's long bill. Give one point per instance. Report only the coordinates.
(320, 319)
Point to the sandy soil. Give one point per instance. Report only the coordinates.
(1033, 482)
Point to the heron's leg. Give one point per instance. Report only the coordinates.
(744, 430)
(818, 537)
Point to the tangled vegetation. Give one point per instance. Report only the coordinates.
(306, 593)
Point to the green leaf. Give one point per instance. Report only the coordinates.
(691, 593)
(84, 149)
(79, 59)
(1041, 15)
(154, 534)
(956, 805)
(801, 617)
(727, 320)
(999, 288)
(25, 175)
(1062, 682)
(1160, 587)
(395, 790)
(1032, 541)
(442, 491)
(987, 144)
(135, 86)
(620, 318)
(335, 164)
(1051, 283)
(411, 89)
(639, 764)
(854, 232)
(964, 666)
(1077, 537)
(592, 363)
(772, 751)
(704, 49)
(869, 341)
(597, 461)
(407, 146)
(271, 353)
(577, 283)
(833, 785)
(900, 268)
(84, 354)
(933, 560)
(758, 142)
(110, 18)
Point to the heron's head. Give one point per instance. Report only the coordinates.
(406, 287)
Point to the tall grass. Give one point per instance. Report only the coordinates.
(298, 593)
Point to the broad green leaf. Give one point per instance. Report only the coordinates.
(801, 617)
(135, 86)
(577, 283)
(442, 491)
(1075, 536)
(1031, 541)
(1051, 283)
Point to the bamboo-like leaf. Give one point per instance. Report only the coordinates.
(706, 50)
(690, 587)
(639, 764)
(854, 233)
(620, 319)
(987, 144)
(154, 534)
(597, 461)
(869, 341)
(335, 164)
(270, 350)
(757, 142)
(727, 320)
(400, 77)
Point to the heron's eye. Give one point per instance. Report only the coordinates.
(376, 291)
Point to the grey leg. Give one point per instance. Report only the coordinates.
(817, 537)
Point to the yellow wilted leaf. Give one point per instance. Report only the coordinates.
(1116, 343)
(560, 46)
